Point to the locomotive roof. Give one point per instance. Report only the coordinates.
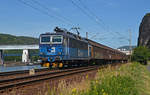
(67, 34)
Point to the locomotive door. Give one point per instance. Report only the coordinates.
(90, 51)
(66, 44)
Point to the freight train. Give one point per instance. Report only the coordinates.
(65, 49)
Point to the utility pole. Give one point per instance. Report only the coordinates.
(130, 39)
(87, 35)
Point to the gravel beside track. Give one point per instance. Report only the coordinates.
(15, 74)
(20, 72)
(25, 80)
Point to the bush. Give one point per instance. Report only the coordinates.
(141, 54)
(114, 85)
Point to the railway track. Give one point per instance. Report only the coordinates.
(8, 84)
(20, 72)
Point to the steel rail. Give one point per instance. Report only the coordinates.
(21, 72)
(10, 83)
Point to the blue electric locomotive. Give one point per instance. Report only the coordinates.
(62, 48)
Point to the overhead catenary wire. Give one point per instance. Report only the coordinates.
(44, 12)
(55, 13)
(46, 8)
(97, 19)
(29, 4)
(86, 12)
(82, 10)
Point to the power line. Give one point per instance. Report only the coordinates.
(97, 19)
(85, 10)
(40, 10)
(44, 12)
(82, 10)
(88, 14)
(47, 13)
(56, 14)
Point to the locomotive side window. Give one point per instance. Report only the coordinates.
(90, 51)
(57, 39)
(45, 39)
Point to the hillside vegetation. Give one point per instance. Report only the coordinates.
(7, 39)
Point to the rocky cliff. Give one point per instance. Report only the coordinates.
(144, 31)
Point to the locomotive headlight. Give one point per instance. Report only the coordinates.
(41, 53)
(59, 53)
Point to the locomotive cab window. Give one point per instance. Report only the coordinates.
(45, 39)
(57, 39)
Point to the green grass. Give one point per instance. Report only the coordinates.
(114, 85)
(128, 79)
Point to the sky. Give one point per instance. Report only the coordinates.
(106, 21)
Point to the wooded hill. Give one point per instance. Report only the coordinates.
(7, 39)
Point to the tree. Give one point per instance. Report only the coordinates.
(141, 54)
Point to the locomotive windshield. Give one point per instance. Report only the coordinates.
(45, 39)
(51, 39)
(57, 39)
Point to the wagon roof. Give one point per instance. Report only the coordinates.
(102, 46)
